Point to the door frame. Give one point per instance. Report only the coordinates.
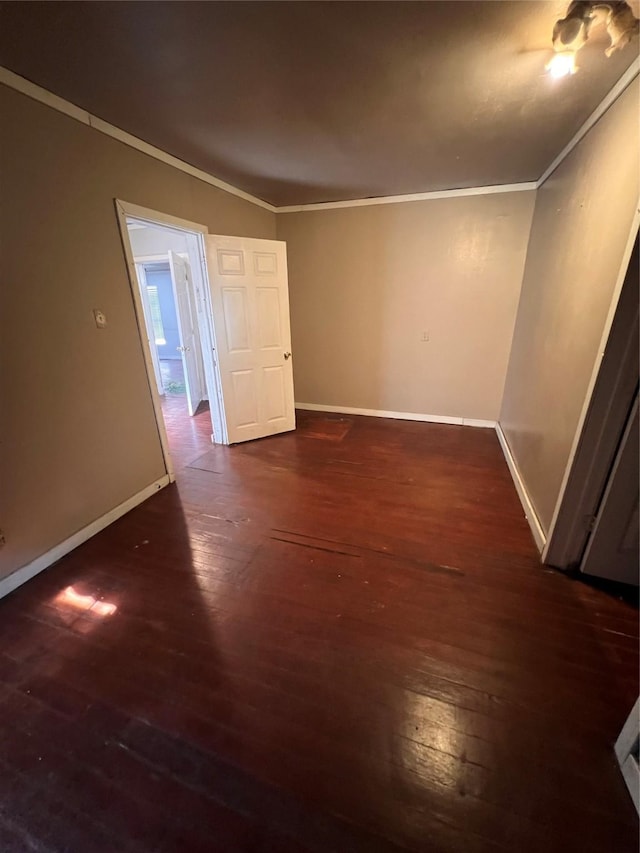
(125, 210)
(602, 421)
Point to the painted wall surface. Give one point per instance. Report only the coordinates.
(77, 430)
(366, 283)
(161, 279)
(581, 224)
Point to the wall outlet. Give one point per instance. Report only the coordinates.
(100, 318)
(424, 337)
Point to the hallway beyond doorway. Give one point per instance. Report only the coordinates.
(172, 374)
(188, 436)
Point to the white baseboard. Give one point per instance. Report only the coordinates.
(400, 416)
(624, 749)
(20, 576)
(530, 513)
(631, 774)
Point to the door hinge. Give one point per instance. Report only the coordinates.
(590, 522)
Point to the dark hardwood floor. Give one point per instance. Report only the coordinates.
(338, 639)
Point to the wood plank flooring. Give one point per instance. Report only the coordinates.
(339, 639)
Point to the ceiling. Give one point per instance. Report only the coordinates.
(301, 102)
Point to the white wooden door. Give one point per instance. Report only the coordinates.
(612, 550)
(250, 305)
(187, 330)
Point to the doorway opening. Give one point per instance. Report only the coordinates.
(235, 286)
(169, 284)
(157, 283)
(174, 338)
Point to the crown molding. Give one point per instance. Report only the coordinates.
(44, 96)
(401, 199)
(627, 78)
(31, 90)
(26, 87)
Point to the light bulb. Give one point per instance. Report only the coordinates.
(562, 63)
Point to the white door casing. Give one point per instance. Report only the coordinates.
(250, 305)
(187, 329)
(612, 550)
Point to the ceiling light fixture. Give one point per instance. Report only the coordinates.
(571, 32)
(562, 63)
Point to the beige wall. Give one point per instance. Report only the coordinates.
(77, 432)
(580, 227)
(366, 282)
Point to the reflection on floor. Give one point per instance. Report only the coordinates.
(338, 639)
(188, 436)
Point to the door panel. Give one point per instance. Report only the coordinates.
(230, 262)
(245, 397)
(250, 304)
(188, 330)
(268, 310)
(236, 321)
(275, 406)
(265, 263)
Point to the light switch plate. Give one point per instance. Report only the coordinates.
(100, 318)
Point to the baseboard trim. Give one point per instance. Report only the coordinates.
(631, 774)
(22, 575)
(399, 416)
(625, 748)
(530, 513)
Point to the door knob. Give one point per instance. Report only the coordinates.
(287, 355)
